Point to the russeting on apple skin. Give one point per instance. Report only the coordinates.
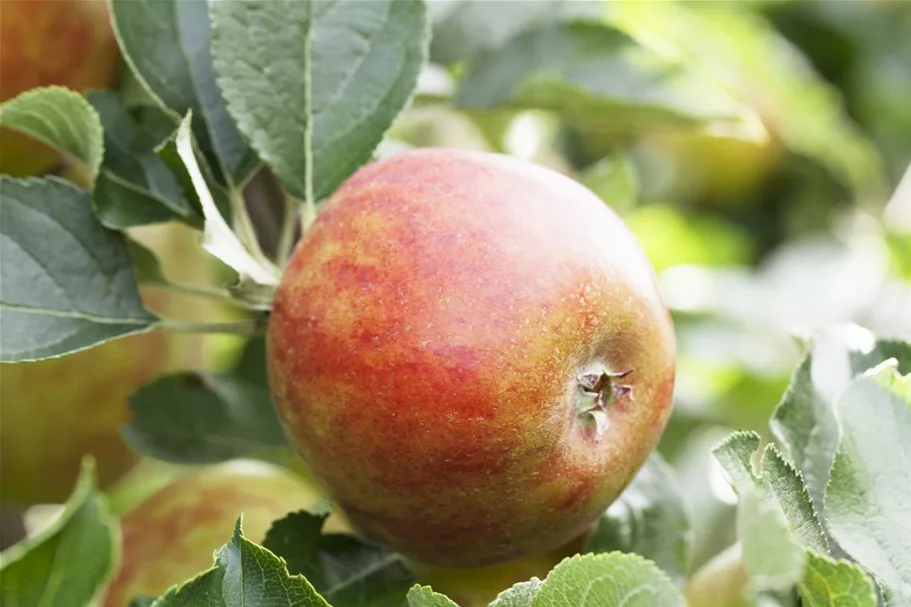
(471, 354)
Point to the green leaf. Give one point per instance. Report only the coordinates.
(594, 76)
(785, 483)
(883, 349)
(167, 44)
(135, 186)
(167, 151)
(649, 519)
(804, 421)
(735, 454)
(347, 570)
(830, 583)
(867, 505)
(245, 574)
(462, 30)
(200, 418)
(314, 86)
(218, 237)
(607, 580)
(744, 52)
(295, 538)
(771, 554)
(202, 591)
(344, 569)
(145, 263)
(66, 282)
(67, 563)
(776, 480)
(252, 364)
(252, 573)
(519, 595)
(424, 596)
(61, 118)
(615, 180)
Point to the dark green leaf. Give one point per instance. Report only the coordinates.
(345, 570)
(67, 282)
(135, 186)
(602, 580)
(650, 519)
(314, 86)
(199, 418)
(67, 563)
(593, 75)
(352, 573)
(252, 364)
(867, 505)
(62, 119)
(295, 539)
(167, 44)
(145, 264)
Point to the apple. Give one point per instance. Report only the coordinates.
(722, 582)
(471, 354)
(170, 537)
(51, 42)
(55, 411)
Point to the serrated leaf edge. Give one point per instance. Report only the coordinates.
(98, 130)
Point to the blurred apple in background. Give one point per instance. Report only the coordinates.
(54, 412)
(51, 42)
(171, 536)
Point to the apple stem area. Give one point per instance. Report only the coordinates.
(598, 389)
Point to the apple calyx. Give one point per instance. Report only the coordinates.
(598, 390)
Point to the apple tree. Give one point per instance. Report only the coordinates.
(429, 303)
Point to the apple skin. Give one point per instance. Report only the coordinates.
(55, 411)
(427, 345)
(170, 537)
(51, 42)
